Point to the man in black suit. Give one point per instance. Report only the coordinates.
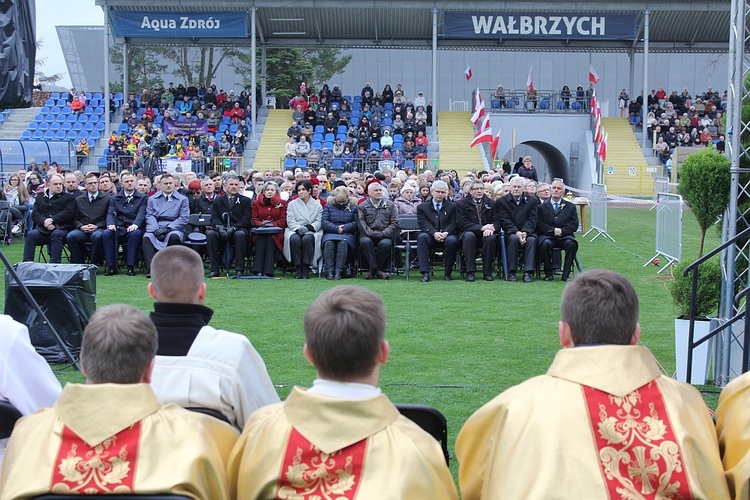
(202, 203)
(437, 220)
(125, 218)
(475, 221)
(89, 222)
(230, 222)
(517, 214)
(558, 222)
(53, 217)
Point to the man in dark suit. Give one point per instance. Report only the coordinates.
(437, 220)
(202, 203)
(89, 222)
(230, 222)
(517, 214)
(475, 221)
(53, 217)
(125, 218)
(558, 222)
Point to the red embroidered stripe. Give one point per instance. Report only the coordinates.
(309, 473)
(636, 446)
(108, 467)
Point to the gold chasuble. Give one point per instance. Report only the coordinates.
(116, 439)
(314, 447)
(733, 429)
(603, 423)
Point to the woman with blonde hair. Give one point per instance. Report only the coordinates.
(17, 195)
(339, 229)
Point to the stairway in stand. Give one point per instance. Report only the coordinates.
(16, 122)
(626, 170)
(273, 139)
(456, 133)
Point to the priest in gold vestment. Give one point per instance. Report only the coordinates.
(602, 423)
(342, 438)
(733, 429)
(112, 435)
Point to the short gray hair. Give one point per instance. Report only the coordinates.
(439, 185)
(517, 179)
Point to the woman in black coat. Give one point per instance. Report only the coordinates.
(339, 228)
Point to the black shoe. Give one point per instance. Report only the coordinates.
(337, 275)
(298, 275)
(488, 277)
(448, 277)
(565, 279)
(512, 277)
(148, 276)
(527, 278)
(213, 274)
(329, 274)
(425, 277)
(548, 277)
(131, 271)
(111, 271)
(470, 277)
(558, 272)
(305, 272)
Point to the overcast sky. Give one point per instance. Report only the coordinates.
(51, 13)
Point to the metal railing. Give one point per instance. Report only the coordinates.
(745, 293)
(598, 201)
(668, 229)
(544, 101)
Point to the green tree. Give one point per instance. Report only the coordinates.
(198, 66)
(704, 184)
(144, 67)
(287, 68)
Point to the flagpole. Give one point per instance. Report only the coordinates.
(513, 145)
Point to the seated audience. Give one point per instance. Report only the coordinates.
(230, 220)
(556, 227)
(604, 422)
(437, 220)
(53, 217)
(112, 435)
(377, 220)
(475, 216)
(89, 223)
(303, 230)
(125, 220)
(339, 222)
(198, 365)
(343, 435)
(167, 214)
(517, 214)
(269, 219)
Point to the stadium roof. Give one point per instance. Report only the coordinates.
(674, 25)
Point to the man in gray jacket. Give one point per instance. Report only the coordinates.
(377, 220)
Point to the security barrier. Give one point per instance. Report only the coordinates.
(598, 211)
(668, 229)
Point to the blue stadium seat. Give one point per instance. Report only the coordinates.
(374, 146)
(55, 95)
(337, 164)
(101, 162)
(66, 126)
(545, 104)
(98, 95)
(119, 96)
(33, 126)
(38, 135)
(94, 136)
(560, 104)
(398, 145)
(317, 145)
(330, 137)
(341, 129)
(233, 128)
(387, 121)
(93, 103)
(83, 134)
(319, 129)
(387, 113)
(342, 137)
(59, 118)
(49, 102)
(88, 95)
(398, 138)
(575, 105)
(60, 135)
(64, 96)
(44, 126)
(83, 119)
(88, 127)
(302, 163)
(55, 110)
(99, 127)
(409, 164)
(77, 127)
(317, 137)
(88, 111)
(388, 106)
(226, 120)
(62, 102)
(54, 127)
(71, 118)
(39, 118)
(49, 135)
(123, 127)
(289, 164)
(26, 135)
(328, 144)
(72, 135)
(45, 110)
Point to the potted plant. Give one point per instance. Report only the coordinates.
(704, 183)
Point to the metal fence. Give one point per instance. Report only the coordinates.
(598, 211)
(361, 165)
(543, 101)
(199, 166)
(668, 229)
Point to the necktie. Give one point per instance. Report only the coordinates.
(556, 206)
(91, 198)
(478, 206)
(438, 206)
(169, 197)
(232, 200)
(518, 201)
(128, 199)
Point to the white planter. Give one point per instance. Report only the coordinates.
(700, 354)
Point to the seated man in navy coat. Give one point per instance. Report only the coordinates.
(437, 220)
(517, 214)
(125, 220)
(558, 221)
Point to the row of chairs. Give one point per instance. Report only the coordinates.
(61, 135)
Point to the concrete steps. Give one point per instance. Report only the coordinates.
(456, 133)
(626, 170)
(271, 146)
(16, 122)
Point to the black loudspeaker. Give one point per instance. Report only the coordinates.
(66, 294)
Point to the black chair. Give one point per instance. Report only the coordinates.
(210, 412)
(113, 497)
(430, 420)
(196, 237)
(407, 241)
(9, 414)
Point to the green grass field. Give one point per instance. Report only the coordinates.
(454, 345)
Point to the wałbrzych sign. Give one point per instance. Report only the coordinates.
(153, 24)
(536, 26)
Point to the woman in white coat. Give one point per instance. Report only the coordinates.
(304, 229)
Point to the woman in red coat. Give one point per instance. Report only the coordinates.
(268, 221)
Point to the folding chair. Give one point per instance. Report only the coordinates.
(9, 414)
(430, 420)
(409, 227)
(196, 238)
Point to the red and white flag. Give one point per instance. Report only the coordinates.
(603, 149)
(485, 136)
(479, 109)
(592, 102)
(593, 75)
(468, 73)
(494, 144)
(530, 79)
(598, 130)
(485, 124)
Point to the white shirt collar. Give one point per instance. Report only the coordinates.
(343, 390)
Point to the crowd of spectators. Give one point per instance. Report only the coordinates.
(223, 115)
(359, 130)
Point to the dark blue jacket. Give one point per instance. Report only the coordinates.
(335, 215)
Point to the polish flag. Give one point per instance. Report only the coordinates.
(479, 109)
(593, 75)
(603, 148)
(468, 73)
(598, 131)
(485, 124)
(494, 144)
(530, 78)
(592, 103)
(485, 136)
